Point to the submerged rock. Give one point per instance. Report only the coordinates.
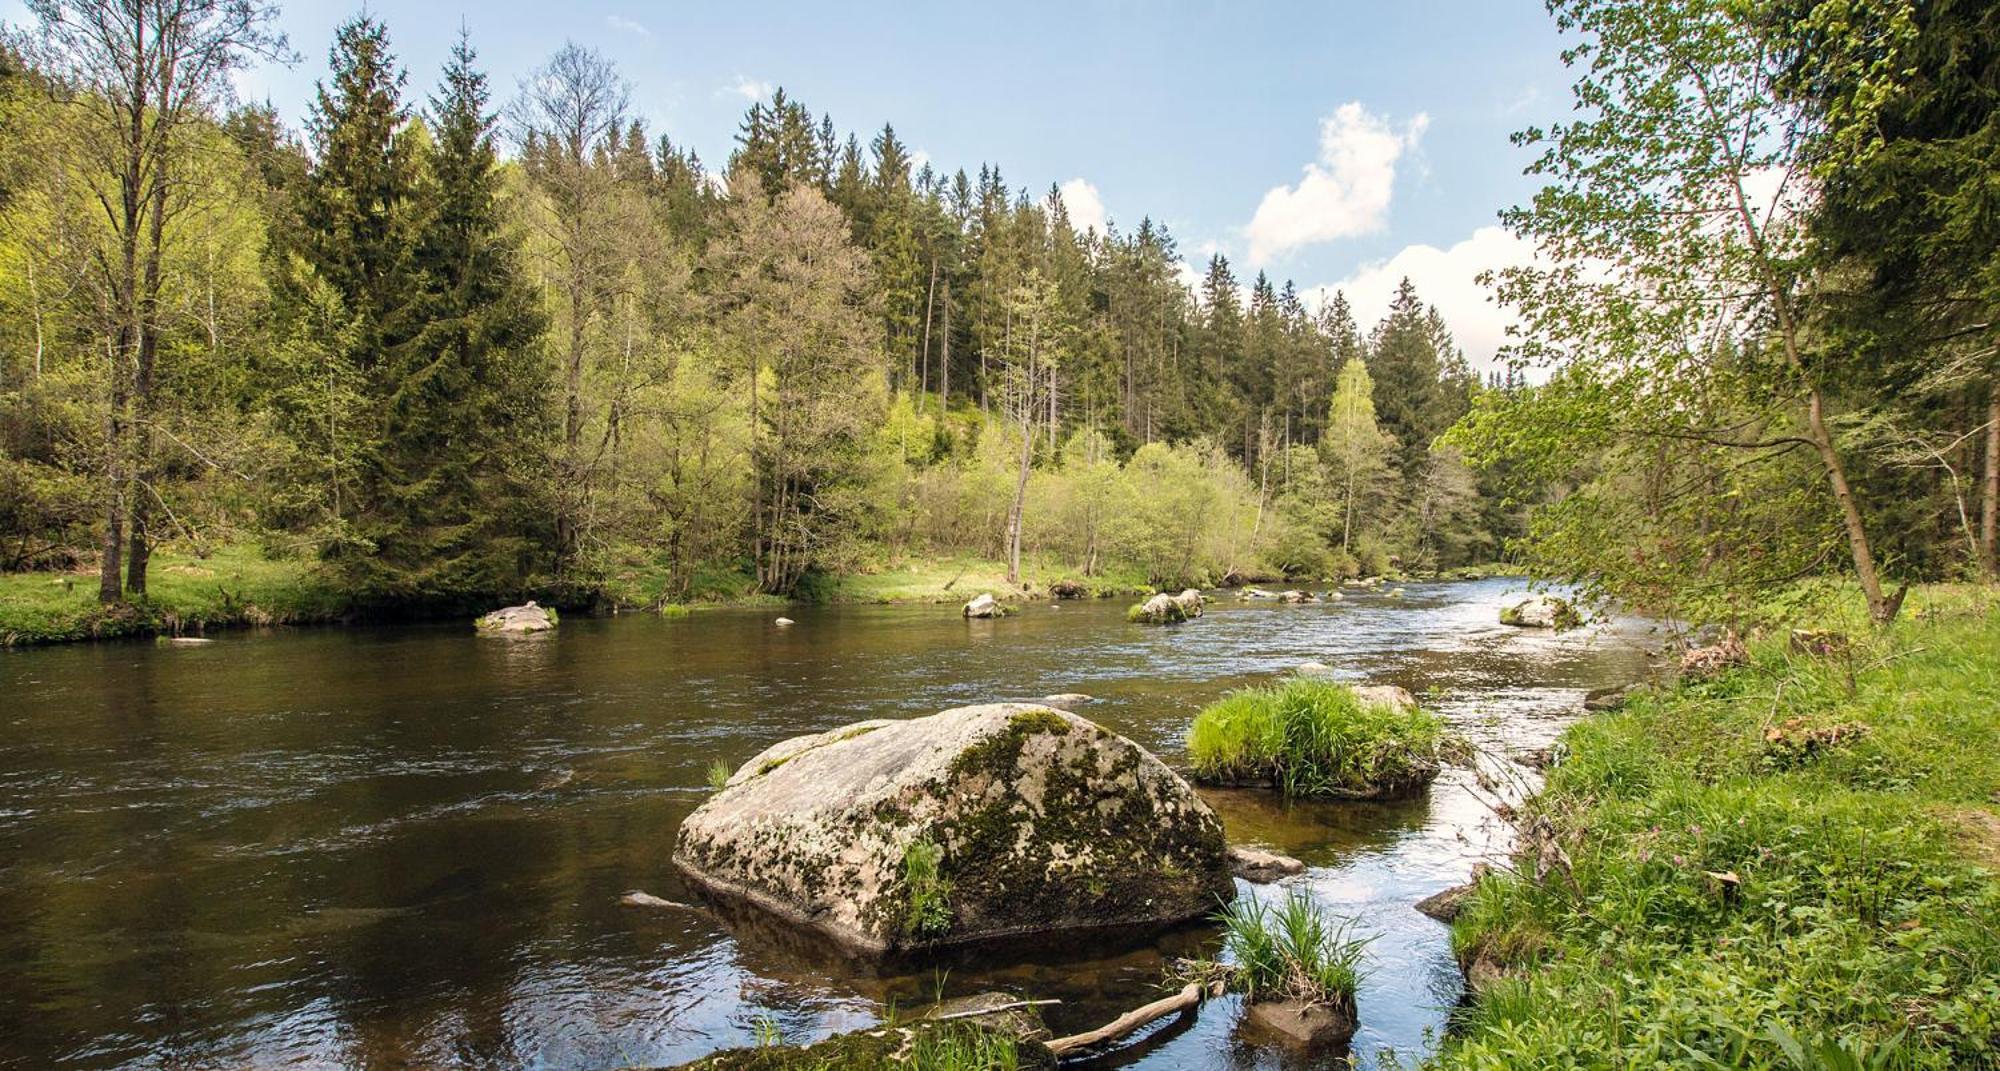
(977, 823)
(1313, 669)
(528, 617)
(887, 1046)
(1541, 611)
(1260, 867)
(1066, 700)
(984, 605)
(1165, 609)
(1003, 1012)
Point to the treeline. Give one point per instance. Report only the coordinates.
(457, 346)
(1765, 306)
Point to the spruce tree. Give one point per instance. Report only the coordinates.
(466, 394)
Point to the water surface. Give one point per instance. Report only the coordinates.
(405, 847)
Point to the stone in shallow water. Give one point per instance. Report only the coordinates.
(1261, 867)
(1028, 819)
(528, 617)
(1295, 1024)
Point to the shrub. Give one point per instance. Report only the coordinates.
(929, 907)
(1312, 737)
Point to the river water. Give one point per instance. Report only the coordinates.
(405, 847)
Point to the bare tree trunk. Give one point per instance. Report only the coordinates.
(1989, 495)
(944, 360)
(141, 552)
(924, 360)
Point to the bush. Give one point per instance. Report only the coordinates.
(1312, 737)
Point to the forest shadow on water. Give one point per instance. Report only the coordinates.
(405, 846)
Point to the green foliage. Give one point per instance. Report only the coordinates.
(927, 891)
(718, 775)
(1294, 951)
(1309, 736)
(229, 586)
(1719, 911)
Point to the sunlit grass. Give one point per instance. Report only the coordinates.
(1311, 737)
(1724, 908)
(234, 585)
(1294, 951)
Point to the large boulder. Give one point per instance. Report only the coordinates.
(1165, 609)
(977, 823)
(527, 617)
(1541, 611)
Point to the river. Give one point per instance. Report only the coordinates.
(405, 846)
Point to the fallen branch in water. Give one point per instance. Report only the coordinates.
(1190, 996)
(973, 1012)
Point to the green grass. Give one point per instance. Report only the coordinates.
(946, 580)
(1294, 951)
(1732, 901)
(1310, 737)
(929, 907)
(236, 585)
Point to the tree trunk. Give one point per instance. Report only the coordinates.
(1989, 495)
(142, 395)
(944, 358)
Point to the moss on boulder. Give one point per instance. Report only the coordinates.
(977, 823)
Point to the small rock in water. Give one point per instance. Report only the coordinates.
(783, 621)
(1260, 867)
(1313, 669)
(984, 606)
(637, 898)
(1066, 700)
(1446, 905)
(183, 641)
(528, 617)
(1392, 696)
(558, 779)
(1307, 1026)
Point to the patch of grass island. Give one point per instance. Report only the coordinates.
(1316, 738)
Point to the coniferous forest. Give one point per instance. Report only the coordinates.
(450, 342)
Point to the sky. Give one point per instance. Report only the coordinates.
(1337, 144)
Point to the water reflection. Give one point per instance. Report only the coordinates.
(405, 847)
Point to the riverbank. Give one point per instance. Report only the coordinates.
(1794, 858)
(236, 586)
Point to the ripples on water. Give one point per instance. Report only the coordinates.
(404, 847)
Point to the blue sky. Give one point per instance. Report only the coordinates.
(1207, 116)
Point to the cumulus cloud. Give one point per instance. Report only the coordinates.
(750, 89)
(1345, 192)
(628, 27)
(1447, 278)
(1085, 206)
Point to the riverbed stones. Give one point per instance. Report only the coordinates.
(1540, 611)
(974, 824)
(1260, 867)
(1165, 609)
(527, 617)
(984, 606)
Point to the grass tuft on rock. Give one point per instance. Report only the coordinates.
(1312, 737)
(929, 909)
(1682, 900)
(1293, 951)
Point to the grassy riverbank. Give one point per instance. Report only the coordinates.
(1791, 866)
(232, 587)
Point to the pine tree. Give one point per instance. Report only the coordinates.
(465, 420)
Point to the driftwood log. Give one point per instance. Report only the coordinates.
(1190, 996)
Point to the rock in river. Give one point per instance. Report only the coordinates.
(1541, 611)
(977, 823)
(1165, 609)
(984, 606)
(1259, 867)
(527, 617)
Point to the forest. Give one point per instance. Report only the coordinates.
(451, 345)
(465, 344)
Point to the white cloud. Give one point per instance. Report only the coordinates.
(750, 89)
(1447, 278)
(1085, 206)
(1344, 193)
(629, 27)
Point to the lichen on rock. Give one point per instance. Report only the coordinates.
(1024, 819)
